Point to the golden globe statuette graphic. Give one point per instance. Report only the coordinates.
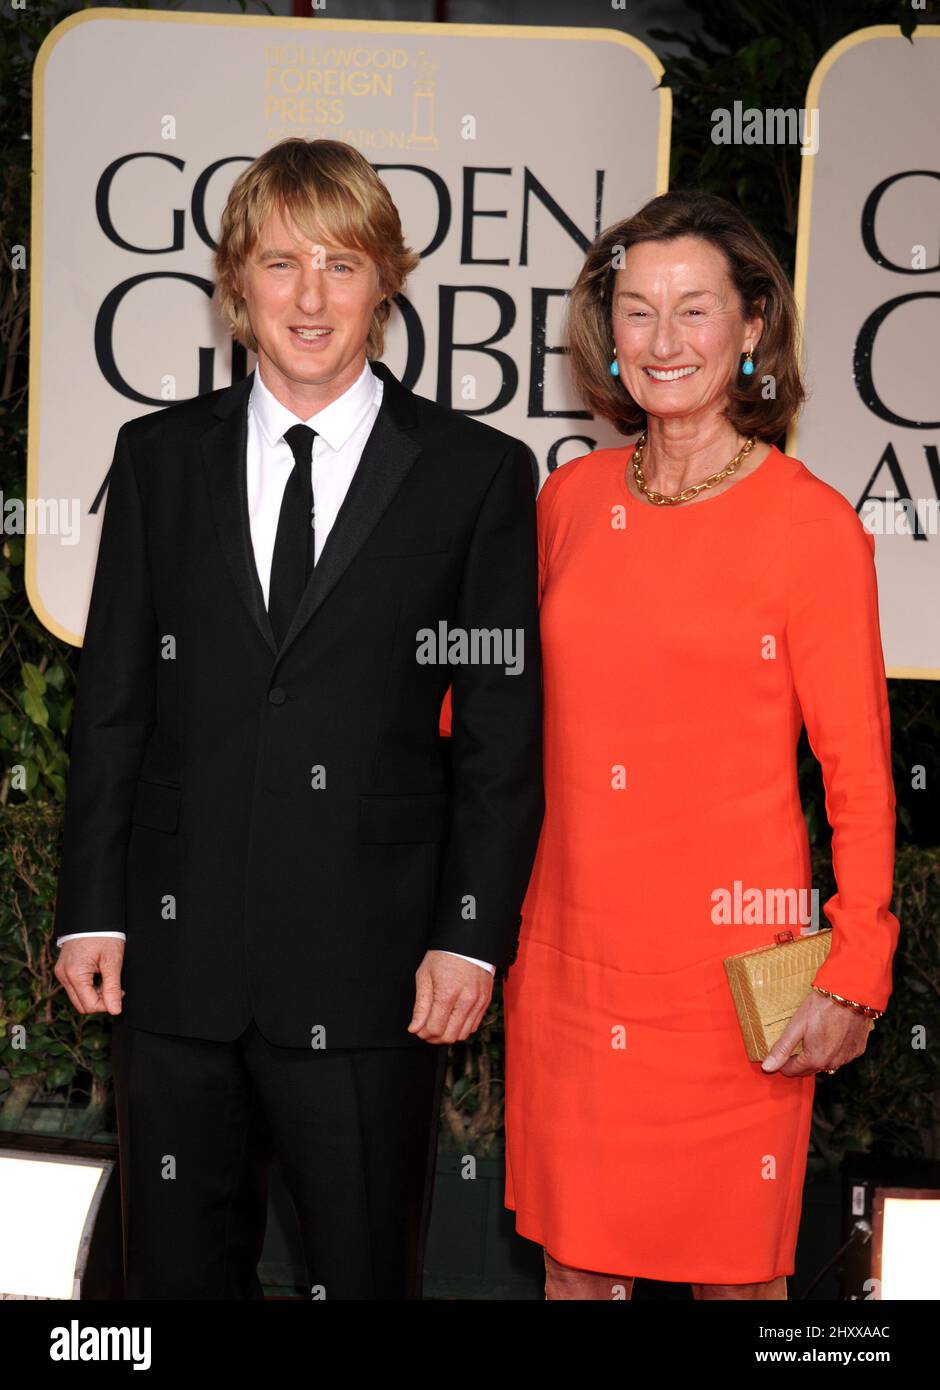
(422, 105)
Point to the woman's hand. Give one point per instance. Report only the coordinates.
(832, 1035)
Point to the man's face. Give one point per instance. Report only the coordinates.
(291, 284)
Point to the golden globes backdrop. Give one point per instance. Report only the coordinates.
(868, 282)
(505, 149)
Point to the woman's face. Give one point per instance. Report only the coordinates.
(677, 322)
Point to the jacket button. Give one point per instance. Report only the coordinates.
(277, 696)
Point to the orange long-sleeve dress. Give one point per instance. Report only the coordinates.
(683, 648)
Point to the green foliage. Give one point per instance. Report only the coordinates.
(45, 1046)
(889, 1097)
(763, 56)
(472, 1108)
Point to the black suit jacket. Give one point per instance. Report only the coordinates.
(281, 832)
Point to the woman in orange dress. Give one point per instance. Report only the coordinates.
(702, 596)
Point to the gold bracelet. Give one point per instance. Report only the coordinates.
(865, 1009)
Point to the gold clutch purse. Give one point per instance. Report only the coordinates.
(769, 984)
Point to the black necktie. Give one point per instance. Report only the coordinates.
(293, 559)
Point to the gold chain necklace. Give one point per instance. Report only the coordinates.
(660, 499)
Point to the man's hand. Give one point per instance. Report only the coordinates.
(77, 965)
(451, 997)
(832, 1036)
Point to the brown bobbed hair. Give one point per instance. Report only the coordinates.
(324, 188)
(756, 275)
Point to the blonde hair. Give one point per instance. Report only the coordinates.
(324, 188)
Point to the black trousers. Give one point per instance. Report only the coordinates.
(355, 1133)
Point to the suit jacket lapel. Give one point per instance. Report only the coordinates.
(224, 455)
(389, 454)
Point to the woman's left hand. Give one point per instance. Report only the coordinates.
(832, 1035)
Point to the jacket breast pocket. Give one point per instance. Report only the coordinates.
(157, 806)
(403, 819)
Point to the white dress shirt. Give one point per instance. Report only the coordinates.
(342, 429)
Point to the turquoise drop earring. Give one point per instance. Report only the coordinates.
(615, 365)
(747, 366)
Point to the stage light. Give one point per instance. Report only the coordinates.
(906, 1242)
(59, 1222)
(891, 1228)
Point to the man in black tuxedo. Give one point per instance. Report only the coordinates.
(307, 898)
